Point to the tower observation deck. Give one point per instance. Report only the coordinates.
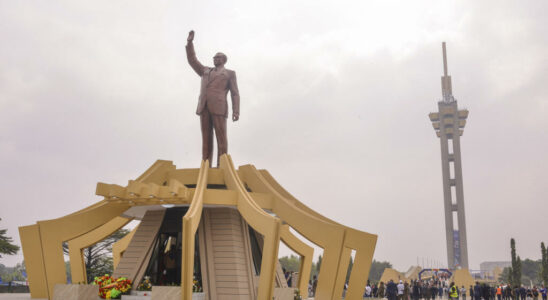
(449, 124)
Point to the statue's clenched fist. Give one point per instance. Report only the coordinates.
(190, 36)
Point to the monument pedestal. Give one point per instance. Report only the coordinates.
(215, 230)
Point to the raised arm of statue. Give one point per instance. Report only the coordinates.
(191, 55)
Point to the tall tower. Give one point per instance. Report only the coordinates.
(449, 124)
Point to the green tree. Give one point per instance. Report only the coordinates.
(530, 271)
(504, 277)
(291, 263)
(377, 268)
(6, 246)
(97, 258)
(12, 273)
(518, 271)
(515, 270)
(544, 264)
(350, 266)
(319, 264)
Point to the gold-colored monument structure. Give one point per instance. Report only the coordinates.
(215, 228)
(224, 224)
(449, 124)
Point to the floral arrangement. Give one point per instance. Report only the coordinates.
(196, 287)
(112, 288)
(297, 295)
(145, 285)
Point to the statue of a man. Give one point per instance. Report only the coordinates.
(212, 104)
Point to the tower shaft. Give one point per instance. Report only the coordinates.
(449, 124)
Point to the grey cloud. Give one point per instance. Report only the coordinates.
(335, 111)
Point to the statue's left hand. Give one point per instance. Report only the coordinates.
(235, 117)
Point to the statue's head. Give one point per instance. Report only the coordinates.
(219, 59)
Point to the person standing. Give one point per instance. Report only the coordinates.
(463, 292)
(522, 292)
(400, 290)
(368, 291)
(416, 291)
(427, 292)
(488, 293)
(433, 291)
(477, 291)
(471, 292)
(535, 293)
(543, 292)
(440, 290)
(453, 293)
(391, 290)
(381, 290)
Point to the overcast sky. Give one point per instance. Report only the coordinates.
(335, 97)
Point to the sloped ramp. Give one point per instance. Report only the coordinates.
(228, 260)
(135, 259)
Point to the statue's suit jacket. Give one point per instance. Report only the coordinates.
(215, 87)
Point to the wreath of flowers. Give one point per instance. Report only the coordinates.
(112, 288)
(145, 285)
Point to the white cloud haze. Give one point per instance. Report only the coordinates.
(335, 103)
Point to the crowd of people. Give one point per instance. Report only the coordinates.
(442, 289)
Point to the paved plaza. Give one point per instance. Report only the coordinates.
(17, 296)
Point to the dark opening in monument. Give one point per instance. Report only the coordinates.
(164, 266)
(256, 241)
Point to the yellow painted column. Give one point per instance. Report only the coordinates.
(191, 220)
(365, 248)
(34, 262)
(344, 261)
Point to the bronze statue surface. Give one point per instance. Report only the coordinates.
(212, 103)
